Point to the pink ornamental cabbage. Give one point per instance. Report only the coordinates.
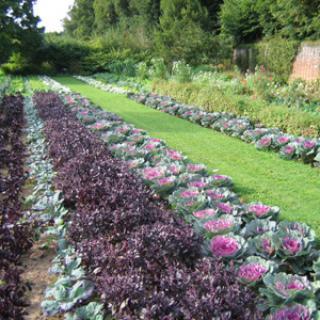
(175, 169)
(153, 173)
(309, 144)
(267, 246)
(289, 150)
(294, 312)
(291, 245)
(198, 184)
(218, 225)
(215, 195)
(206, 213)
(225, 207)
(194, 168)
(294, 285)
(189, 193)
(224, 246)
(259, 210)
(265, 141)
(166, 181)
(252, 272)
(174, 155)
(283, 140)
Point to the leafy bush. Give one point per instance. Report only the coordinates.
(17, 64)
(181, 71)
(142, 70)
(290, 120)
(158, 69)
(277, 55)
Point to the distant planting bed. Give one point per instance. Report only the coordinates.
(294, 187)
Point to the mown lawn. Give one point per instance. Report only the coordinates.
(258, 176)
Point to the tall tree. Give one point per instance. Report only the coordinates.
(105, 15)
(213, 8)
(240, 20)
(80, 23)
(18, 28)
(181, 34)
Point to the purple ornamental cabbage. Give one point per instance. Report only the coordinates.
(293, 312)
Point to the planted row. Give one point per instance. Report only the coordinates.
(288, 146)
(15, 236)
(268, 253)
(72, 292)
(146, 262)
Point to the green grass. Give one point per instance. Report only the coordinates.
(258, 176)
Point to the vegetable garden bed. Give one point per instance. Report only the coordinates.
(153, 268)
(257, 176)
(217, 219)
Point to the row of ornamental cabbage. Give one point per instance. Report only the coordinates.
(288, 146)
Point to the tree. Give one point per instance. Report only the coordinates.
(105, 15)
(80, 23)
(18, 29)
(213, 8)
(181, 35)
(240, 20)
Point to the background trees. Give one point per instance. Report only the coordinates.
(18, 30)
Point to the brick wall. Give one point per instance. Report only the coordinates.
(307, 63)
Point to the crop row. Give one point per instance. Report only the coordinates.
(71, 293)
(268, 254)
(288, 146)
(146, 263)
(15, 236)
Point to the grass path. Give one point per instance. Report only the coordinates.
(258, 176)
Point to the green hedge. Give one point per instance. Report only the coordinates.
(277, 55)
(290, 120)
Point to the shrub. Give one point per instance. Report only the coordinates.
(158, 69)
(277, 55)
(181, 71)
(142, 70)
(211, 99)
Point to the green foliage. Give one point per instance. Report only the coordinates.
(181, 72)
(212, 99)
(17, 64)
(181, 35)
(19, 34)
(80, 23)
(64, 54)
(249, 20)
(240, 20)
(277, 55)
(158, 69)
(142, 70)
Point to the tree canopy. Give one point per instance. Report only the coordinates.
(18, 28)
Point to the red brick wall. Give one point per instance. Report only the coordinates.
(307, 63)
